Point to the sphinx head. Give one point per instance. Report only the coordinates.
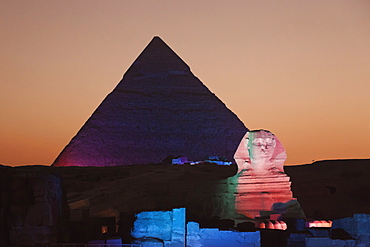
(260, 144)
(260, 150)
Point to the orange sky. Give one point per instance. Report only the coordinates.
(298, 68)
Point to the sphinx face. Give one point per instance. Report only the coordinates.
(261, 145)
(260, 151)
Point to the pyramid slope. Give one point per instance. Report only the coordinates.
(158, 109)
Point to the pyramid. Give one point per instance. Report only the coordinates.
(158, 109)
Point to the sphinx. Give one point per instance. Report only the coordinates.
(262, 182)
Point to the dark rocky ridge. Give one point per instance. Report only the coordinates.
(137, 188)
(325, 189)
(158, 109)
(332, 189)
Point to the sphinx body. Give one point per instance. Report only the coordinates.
(261, 182)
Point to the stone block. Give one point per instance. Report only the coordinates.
(297, 239)
(178, 227)
(363, 241)
(350, 243)
(250, 237)
(347, 224)
(319, 232)
(363, 223)
(192, 228)
(356, 226)
(318, 242)
(344, 243)
(338, 243)
(164, 225)
(193, 238)
(153, 224)
(214, 237)
(209, 233)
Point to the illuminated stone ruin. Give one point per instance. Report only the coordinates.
(276, 225)
(319, 223)
(169, 228)
(263, 187)
(159, 109)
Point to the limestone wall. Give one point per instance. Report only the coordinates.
(167, 228)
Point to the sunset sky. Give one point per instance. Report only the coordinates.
(298, 68)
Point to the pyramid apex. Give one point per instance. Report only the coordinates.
(157, 57)
(158, 40)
